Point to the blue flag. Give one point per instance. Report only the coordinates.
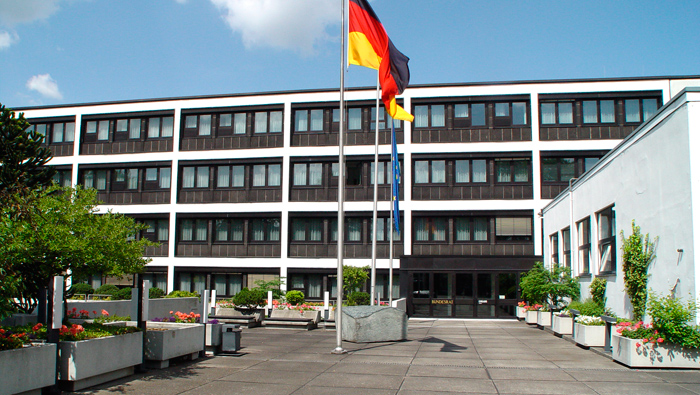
(395, 178)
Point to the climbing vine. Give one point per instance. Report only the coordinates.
(637, 254)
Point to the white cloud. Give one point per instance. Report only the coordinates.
(44, 84)
(7, 39)
(296, 25)
(13, 12)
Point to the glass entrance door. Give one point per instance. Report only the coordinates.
(485, 295)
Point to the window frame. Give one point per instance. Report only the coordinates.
(609, 241)
(583, 229)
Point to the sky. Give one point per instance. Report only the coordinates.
(84, 51)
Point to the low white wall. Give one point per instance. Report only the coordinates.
(157, 308)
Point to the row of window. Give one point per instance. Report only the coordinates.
(605, 225)
(128, 129)
(470, 170)
(55, 132)
(234, 123)
(125, 179)
(464, 115)
(597, 111)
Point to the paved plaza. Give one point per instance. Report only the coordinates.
(439, 357)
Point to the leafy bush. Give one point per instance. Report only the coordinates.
(272, 285)
(295, 297)
(358, 299)
(249, 297)
(155, 293)
(123, 294)
(354, 277)
(181, 294)
(82, 289)
(588, 307)
(597, 289)
(637, 253)
(674, 319)
(544, 286)
(107, 289)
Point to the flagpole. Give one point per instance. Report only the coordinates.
(373, 279)
(391, 246)
(341, 189)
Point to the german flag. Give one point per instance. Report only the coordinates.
(370, 46)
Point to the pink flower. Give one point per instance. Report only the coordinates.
(660, 340)
(638, 344)
(104, 312)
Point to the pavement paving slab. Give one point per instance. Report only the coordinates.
(439, 357)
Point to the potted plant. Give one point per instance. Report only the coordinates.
(671, 340)
(520, 310)
(178, 335)
(589, 331)
(562, 323)
(544, 317)
(249, 301)
(531, 313)
(547, 287)
(19, 354)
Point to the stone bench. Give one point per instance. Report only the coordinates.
(227, 315)
(293, 319)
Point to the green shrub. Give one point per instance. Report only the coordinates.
(674, 320)
(597, 289)
(123, 294)
(295, 297)
(249, 297)
(272, 285)
(588, 307)
(82, 289)
(358, 298)
(107, 289)
(155, 293)
(181, 294)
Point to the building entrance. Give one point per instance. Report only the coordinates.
(463, 294)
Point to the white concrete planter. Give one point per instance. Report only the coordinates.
(544, 318)
(170, 340)
(589, 335)
(531, 317)
(662, 356)
(562, 325)
(27, 369)
(213, 333)
(520, 312)
(95, 361)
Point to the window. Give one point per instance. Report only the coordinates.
(229, 230)
(384, 175)
(466, 115)
(195, 177)
(194, 230)
(558, 169)
(95, 179)
(470, 170)
(584, 245)
(308, 121)
(265, 229)
(598, 111)
(353, 231)
(632, 109)
(157, 127)
(157, 230)
(266, 175)
(97, 129)
(554, 245)
(384, 225)
(230, 176)
(383, 125)
(561, 113)
(507, 114)
(512, 170)
(267, 122)
(157, 177)
(566, 246)
(469, 229)
(310, 174)
(63, 178)
(355, 119)
(62, 132)
(430, 229)
(429, 172)
(227, 284)
(429, 116)
(606, 240)
(307, 229)
(513, 229)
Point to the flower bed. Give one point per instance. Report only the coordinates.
(168, 340)
(544, 319)
(637, 353)
(589, 331)
(15, 365)
(562, 323)
(83, 363)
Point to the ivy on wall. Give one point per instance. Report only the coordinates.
(637, 254)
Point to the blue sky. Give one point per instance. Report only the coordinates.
(78, 51)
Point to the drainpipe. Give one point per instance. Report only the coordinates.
(571, 229)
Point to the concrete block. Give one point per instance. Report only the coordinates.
(367, 324)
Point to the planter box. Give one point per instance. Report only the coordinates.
(663, 355)
(27, 369)
(562, 325)
(520, 312)
(293, 319)
(95, 361)
(544, 319)
(172, 340)
(229, 315)
(531, 317)
(589, 335)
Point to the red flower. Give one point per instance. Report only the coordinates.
(660, 340)
(638, 344)
(37, 327)
(104, 312)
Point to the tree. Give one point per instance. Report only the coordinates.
(543, 286)
(354, 277)
(63, 233)
(637, 254)
(22, 158)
